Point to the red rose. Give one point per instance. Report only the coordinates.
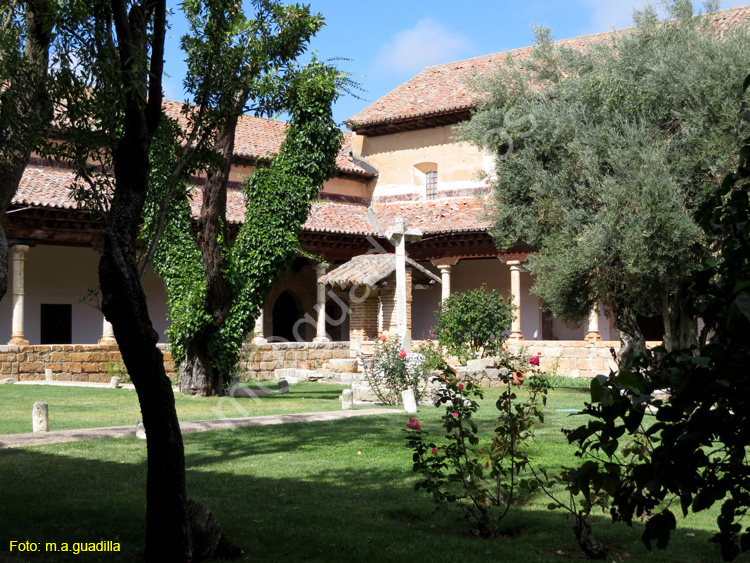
(534, 360)
(402, 354)
(413, 424)
(434, 450)
(383, 337)
(460, 386)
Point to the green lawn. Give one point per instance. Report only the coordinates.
(86, 407)
(328, 492)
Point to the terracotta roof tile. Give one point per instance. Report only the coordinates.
(369, 269)
(444, 89)
(436, 216)
(330, 217)
(260, 138)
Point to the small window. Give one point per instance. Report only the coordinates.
(431, 184)
(56, 324)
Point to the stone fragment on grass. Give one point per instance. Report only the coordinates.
(283, 386)
(410, 404)
(347, 399)
(40, 417)
(8, 381)
(114, 383)
(140, 430)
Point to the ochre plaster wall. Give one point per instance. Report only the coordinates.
(395, 157)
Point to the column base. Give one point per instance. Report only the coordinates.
(259, 341)
(593, 337)
(515, 337)
(107, 342)
(18, 341)
(321, 339)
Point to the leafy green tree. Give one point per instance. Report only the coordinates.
(472, 323)
(606, 157)
(692, 453)
(26, 33)
(216, 286)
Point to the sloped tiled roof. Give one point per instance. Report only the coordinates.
(260, 138)
(369, 269)
(436, 216)
(50, 187)
(444, 89)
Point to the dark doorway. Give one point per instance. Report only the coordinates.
(56, 324)
(337, 325)
(285, 315)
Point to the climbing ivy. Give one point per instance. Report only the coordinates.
(278, 198)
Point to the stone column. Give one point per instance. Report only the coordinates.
(108, 333)
(320, 306)
(18, 256)
(593, 334)
(259, 338)
(445, 278)
(515, 290)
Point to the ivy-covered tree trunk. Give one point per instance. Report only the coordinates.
(25, 109)
(197, 374)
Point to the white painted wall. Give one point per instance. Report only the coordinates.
(62, 275)
(470, 274)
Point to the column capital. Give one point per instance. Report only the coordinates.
(514, 259)
(320, 268)
(443, 262)
(20, 248)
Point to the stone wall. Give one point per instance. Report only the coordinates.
(67, 362)
(572, 358)
(260, 361)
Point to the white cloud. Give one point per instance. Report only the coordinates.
(427, 43)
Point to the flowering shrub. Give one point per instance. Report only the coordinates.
(472, 324)
(477, 478)
(394, 370)
(521, 361)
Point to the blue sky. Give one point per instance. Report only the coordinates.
(390, 41)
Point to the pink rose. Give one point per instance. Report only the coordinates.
(455, 415)
(434, 450)
(534, 360)
(383, 337)
(402, 354)
(460, 387)
(413, 424)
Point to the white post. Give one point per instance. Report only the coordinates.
(398, 235)
(593, 333)
(515, 290)
(445, 278)
(259, 337)
(18, 256)
(320, 306)
(108, 333)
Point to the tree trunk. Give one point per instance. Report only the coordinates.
(25, 112)
(631, 338)
(197, 373)
(168, 536)
(680, 329)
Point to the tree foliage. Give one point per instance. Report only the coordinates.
(216, 285)
(693, 451)
(606, 157)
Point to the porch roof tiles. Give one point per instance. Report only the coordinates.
(369, 269)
